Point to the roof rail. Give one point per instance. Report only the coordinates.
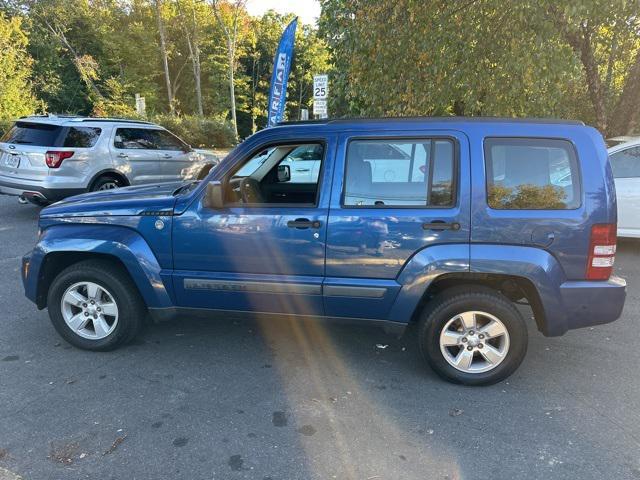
(114, 120)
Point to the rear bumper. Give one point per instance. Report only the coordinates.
(38, 192)
(585, 304)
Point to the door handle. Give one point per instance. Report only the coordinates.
(123, 155)
(302, 169)
(166, 155)
(439, 225)
(303, 223)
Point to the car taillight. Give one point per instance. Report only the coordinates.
(602, 251)
(54, 159)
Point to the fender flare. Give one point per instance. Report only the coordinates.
(123, 243)
(537, 266)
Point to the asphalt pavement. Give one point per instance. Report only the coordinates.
(236, 398)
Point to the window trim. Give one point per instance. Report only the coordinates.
(455, 172)
(576, 158)
(623, 151)
(305, 141)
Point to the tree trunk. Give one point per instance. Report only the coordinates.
(594, 86)
(624, 120)
(194, 53)
(163, 53)
(232, 90)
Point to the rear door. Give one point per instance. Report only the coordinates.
(626, 172)
(393, 196)
(134, 151)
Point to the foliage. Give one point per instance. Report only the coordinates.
(199, 132)
(93, 56)
(16, 97)
(484, 57)
(547, 197)
(5, 125)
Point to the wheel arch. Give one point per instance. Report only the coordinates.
(517, 271)
(513, 287)
(109, 172)
(55, 262)
(64, 245)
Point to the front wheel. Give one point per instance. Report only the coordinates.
(94, 305)
(472, 335)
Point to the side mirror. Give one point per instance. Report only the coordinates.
(284, 173)
(214, 196)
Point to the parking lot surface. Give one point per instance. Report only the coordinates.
(235, 398)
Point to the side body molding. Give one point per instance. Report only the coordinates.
(121, 242)
(421, 270)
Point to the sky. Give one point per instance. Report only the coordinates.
(307, 10)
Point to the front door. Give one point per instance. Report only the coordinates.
(264, 251)
(174, 156)
(393, 196)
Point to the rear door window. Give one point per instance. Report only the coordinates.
(35, 134)
(81, 137)
(531, 174)
(626, 164)
(408, 173)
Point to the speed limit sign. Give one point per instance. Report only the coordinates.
(320, 94)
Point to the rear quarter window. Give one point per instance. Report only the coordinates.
(531, 174)
(81, 137)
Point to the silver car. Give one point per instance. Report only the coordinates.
(46, 158)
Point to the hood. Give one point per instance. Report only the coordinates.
(119, 202)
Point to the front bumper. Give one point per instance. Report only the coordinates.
(37, 192)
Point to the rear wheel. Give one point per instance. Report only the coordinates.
(106, 183)
(95, 306)
(472, 335)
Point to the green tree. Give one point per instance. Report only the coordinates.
(16, 97)
(486, 57)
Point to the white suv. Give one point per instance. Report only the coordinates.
(46, 158)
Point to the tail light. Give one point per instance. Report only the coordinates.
(54, 159)
(602, 251)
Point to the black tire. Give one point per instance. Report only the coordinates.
(455, 301)
(106, 182)
(131, 308)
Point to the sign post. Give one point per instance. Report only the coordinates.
(320, 95)
(141, 105)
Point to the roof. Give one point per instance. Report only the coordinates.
(451, 119)
(66, 119)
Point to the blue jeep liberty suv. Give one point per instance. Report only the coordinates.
(442, 222)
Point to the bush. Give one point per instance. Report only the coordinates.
(199, 132)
